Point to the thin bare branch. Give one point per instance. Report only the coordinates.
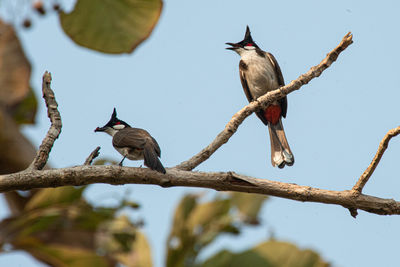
(95, 153)
(116, 175)
(55, 129)
(262, 102)
(358, 187)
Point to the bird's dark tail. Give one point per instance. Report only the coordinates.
(281, 154)
(151, 159)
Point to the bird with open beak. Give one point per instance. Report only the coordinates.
(260, 73)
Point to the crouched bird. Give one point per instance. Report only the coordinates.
(133, 143)
(259, 74)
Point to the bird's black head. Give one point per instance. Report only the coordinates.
(247, 42)
(114, 124)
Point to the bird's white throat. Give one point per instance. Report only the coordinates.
(111, 131)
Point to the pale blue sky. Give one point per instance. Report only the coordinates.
(183, 87)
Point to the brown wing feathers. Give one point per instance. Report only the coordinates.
(151, 158)
(135, 138)
(130, 137)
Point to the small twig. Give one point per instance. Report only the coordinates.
(55, 129)
(95, 153)
(262, 102)
(358, 187)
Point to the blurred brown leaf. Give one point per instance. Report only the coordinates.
(15, 72)
(15, 69)
(16, 151)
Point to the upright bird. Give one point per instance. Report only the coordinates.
(133, 143)
(260, 73)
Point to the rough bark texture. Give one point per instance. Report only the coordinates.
(55, 128)
(221, 181)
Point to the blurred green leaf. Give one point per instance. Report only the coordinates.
(125, 240)
(180, 242)
(207, 213)
(186, 206)
(59, 220)
(213, 230)
(117, 26)
(195, 226)
(51, 196)
(116, 235)
(105, 161)
(25, 111)
(267, 254)
(91, 218)
(248, 205)
(139, 256)
(120, 240)
(18, 228)
(131, 204)
(74, 223)
(65, 256)
(209, 220)
(182, 212)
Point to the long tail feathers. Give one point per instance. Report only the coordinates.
(151, 159)
(281, 154)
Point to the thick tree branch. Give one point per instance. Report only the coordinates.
(262, 102)
(116, 175)
(358, 187)
(55, 129)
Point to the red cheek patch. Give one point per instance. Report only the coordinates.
(272, 114)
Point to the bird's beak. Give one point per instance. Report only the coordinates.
(233, 46)
(100, 129)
